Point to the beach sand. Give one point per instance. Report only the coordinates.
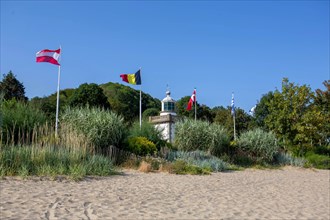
(286, 193)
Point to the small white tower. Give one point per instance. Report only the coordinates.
(166, 121)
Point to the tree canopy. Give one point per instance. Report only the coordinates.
(11, 88)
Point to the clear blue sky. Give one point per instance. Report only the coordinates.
(219, 47)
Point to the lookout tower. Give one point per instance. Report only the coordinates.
(166, 120)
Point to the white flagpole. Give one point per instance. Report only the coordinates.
(58, 95)
(195, 105)
(234, 113)
(140, 111)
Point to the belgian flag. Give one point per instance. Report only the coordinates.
(134, 78)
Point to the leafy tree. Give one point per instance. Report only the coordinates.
(89, 94)
(11, 88)
(48, 104)
(289, 114)
(262, 110)
(125, 101)
(150, 112)
(242, 120)
(203, 111)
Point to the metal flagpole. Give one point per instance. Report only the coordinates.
(140, 113)
(58, 94)
(195, 106)
(233, 112)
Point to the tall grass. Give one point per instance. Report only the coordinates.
(18, 119)
(191, 135)
(100, 128)
(52, 161)
(258, 145)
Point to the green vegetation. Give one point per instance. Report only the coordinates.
(291, 126)
(99, 127)
(259, 146)
(52, 161)
(141, 146)
(18, 120)
(191, 135)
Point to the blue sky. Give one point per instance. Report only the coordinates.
(219, 47)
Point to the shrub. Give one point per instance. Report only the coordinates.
(199, 159)
(258, 145)
(182, 167)
(318, 161)
(19, 119)
(148, 131)
(100, 127)
(141, 146)
(191, 135)
(283, 159)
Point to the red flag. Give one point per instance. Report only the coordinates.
(191, 100)
(50, 56)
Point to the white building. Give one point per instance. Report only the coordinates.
(166, 121)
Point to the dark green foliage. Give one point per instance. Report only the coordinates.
(141, 146)
(48, 104)
(318, 161)
(89, 95)
(223, 117)
(11, 88)
(259, 146)
(19, 119)
(148, 131)
(125, 101)
(203, 111)
(262, 110)
(150, 112)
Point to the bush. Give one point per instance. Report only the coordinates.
(258, 145)
(148, 131)
(100, 127)
(182, 167)
(141, 146)
(191, 135)
(199, 159)
(18, 120)
(283, 159)
(318, 161)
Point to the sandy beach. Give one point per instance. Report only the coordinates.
(287, 193)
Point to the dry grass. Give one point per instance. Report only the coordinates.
(145, 167)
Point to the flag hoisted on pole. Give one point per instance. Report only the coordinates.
(233, 113)
(135, 79)
(190, 103)
(53, 57)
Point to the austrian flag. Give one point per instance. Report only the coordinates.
(50, 56)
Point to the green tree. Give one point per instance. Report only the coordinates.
(125, 101)
(89, 94)
(203, 111)
(262, 110)
(223, 116)
(289, 115)
(150, 112)
(11, 88)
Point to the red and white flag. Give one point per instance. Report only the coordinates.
(191, 100)
(50, 56)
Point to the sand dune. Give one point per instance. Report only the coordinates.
(288, 193)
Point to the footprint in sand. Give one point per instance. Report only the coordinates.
(89, 211)
(50, 214)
